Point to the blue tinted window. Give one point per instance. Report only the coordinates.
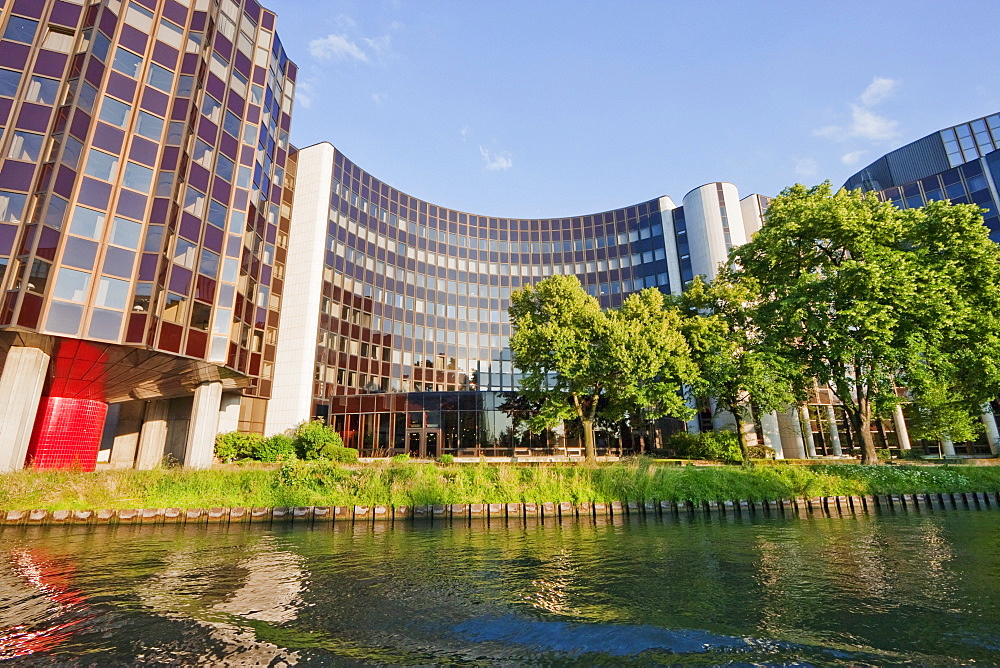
(9, 79)
(20, 30)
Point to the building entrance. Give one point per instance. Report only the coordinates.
(423, 443)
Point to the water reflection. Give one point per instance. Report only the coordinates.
(866, 589)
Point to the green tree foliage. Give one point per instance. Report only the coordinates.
(863, 296)
(735, 367)
(315, 440)
(580, 362)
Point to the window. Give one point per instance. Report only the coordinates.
(126, 233)
(137, 177)
(139, 17)
(111, 292)
(101, 165)
(9, 79)
(209, 265)
(26, 146)
(224, 168)
(72, 285)
(185, 253)
(170, 34)
(211, 108)
(149, 126)
(41, 90)
(232, 124)
(114, 112)
(160, 78)
(173, 308)
(58, 40)
(126, 62)
(87, 223)
(11, 206)
(20, 29)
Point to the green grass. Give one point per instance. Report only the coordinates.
(407, 483)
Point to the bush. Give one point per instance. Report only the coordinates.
(235, 445)
(447, 459)
(314, 440)
(760, 452)
(275, 448)
(720, 445)
(401, 457)
(884, 454)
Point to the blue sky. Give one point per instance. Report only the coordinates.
(557, 108)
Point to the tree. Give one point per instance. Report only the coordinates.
(864, 297)
(735, 367)
(578, 361)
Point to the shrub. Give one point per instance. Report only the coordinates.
(447, 459)
(343, 455)
(760, 452)
(884, 454)
(235, 445)
(315, 440)
(401, 457)
(274, 448)
(720, 445)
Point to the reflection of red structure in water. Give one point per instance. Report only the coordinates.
(71, 413)
(51, 580)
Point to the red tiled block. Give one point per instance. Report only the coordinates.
(67, 433)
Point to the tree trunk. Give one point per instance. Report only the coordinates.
(861, 420)
(738, 417)
(590, 452)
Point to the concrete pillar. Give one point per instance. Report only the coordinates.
(902, 434)
(20, 391)
(947, 446)
(200, 448)
(992, 433)
(831, 422)
(229, 412)
(807, 432)
(772, 434)
(153, 435)
(791, 434)
(126, 436)
(694, 424)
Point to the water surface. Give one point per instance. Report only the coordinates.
(870, 589)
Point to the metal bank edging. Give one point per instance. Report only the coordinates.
(828, 506)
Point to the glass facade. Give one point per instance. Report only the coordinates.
(143, 192)
(959, 164)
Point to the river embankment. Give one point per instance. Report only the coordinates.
(421, 485)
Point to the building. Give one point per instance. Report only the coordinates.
(150, 203)
(144, 212)
(960, 163)
(411, 300)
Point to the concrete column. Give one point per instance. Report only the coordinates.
(127, 430)
(947, 446)
(807, 432)
(153, 435)
(902, 434)
(992, 433)
(791, 434)
(229, 412)
(772, 434)
(694, 424)
(200, 448)
(20, 391)
(831, 422)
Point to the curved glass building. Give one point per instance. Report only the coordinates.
(411, 352)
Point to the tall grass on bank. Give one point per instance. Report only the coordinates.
(402, 483)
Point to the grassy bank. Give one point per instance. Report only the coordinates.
(319, 484)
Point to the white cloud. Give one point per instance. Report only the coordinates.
(379, 45)
(865, 123)
(806, 166)
(336, 47)
(466, 132)
(852, 157)
(879, 89)
(379, 98)
(495, 161)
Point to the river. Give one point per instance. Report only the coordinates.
(861, 590)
